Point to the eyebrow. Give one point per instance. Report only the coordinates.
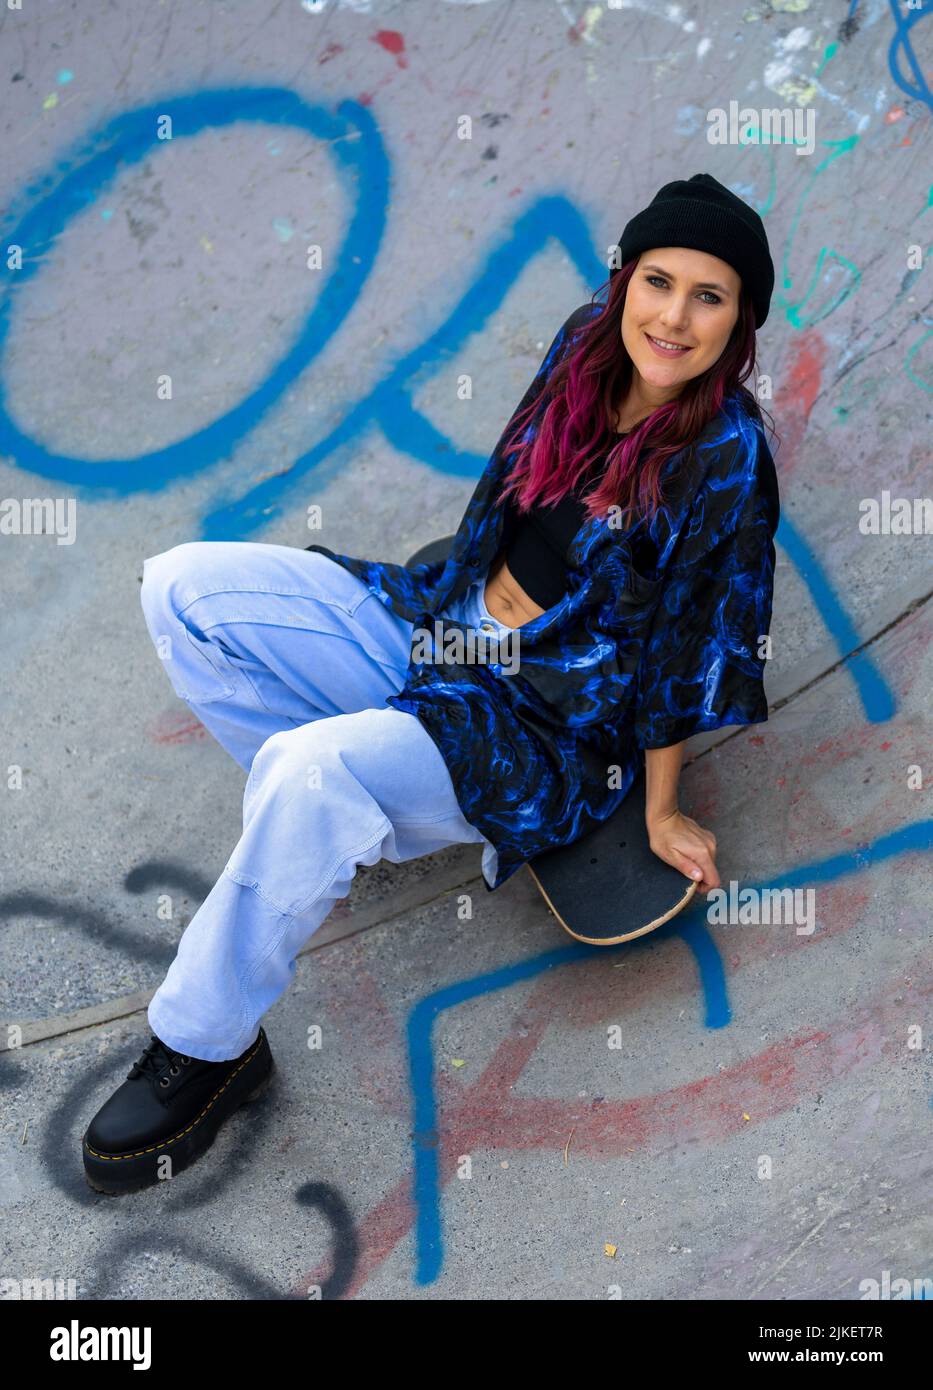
(700, 284)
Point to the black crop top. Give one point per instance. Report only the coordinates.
(536, 546)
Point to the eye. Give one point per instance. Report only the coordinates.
(714, 298)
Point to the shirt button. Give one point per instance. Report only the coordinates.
(487, 627)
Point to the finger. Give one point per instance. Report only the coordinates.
(708, 865)
(691, 866)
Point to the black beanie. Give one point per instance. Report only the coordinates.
(703, 215)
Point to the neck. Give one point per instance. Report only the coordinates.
(641, 400)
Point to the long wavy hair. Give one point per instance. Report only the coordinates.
(576, 429)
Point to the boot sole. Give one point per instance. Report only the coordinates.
(140, 1172)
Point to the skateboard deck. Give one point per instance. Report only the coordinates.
(610, 886)
(431, 553)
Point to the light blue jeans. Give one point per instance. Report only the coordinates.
(286, 658)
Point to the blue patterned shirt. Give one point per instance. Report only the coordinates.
(628, 659)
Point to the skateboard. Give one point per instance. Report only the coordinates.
(609, 886)
(432, 552)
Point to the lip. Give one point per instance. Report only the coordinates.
(666, 352)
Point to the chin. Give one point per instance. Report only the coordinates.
(659, 375)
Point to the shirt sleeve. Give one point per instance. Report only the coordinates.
(700, 667)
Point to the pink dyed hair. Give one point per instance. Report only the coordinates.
(575, 429)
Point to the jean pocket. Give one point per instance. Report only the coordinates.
(200, 674)
(337, 584)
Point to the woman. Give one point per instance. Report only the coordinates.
(620, 535)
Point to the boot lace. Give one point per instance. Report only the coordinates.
(157, 1055)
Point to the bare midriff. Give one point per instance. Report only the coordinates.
(506, 599)
(504, 596)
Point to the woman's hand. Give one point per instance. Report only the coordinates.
(680, 841)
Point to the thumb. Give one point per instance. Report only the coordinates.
(686, 865)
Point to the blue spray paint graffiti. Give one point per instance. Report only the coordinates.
(389, 403)
(903, 23)
(352, 138)
(425, 1179)
(877, 697)
(361, 160)
(363, 164)
(425, 1185)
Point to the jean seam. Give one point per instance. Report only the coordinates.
(290, 916)
(213, 695)
(331, 871)
(212, 699)
(428, 820)
(280, 592)
(392, 668)
(247, 881)
(245, 982)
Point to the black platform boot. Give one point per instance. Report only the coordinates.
(167, 1113)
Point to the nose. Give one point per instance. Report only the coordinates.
(677, 313)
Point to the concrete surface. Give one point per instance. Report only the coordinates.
(457, 1024)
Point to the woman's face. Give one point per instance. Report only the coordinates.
(679, 296)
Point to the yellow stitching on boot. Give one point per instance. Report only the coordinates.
(115, 1158)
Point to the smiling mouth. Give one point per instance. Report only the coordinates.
(666, 345)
